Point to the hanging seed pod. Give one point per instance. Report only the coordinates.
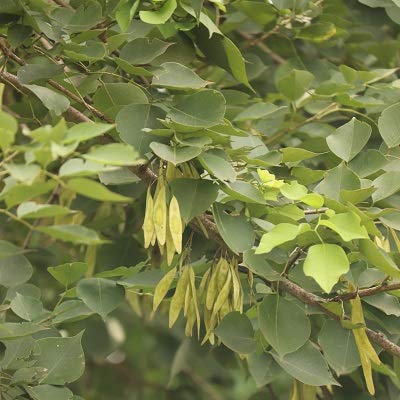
(223, 271)
(212, 290)
(175, 224)
(148, 224)
(223, 295)
(178, 299)
(192, 282)
(160, 213)
(169, 244)
(366, 351)
(163, 287)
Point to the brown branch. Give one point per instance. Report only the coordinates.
(315, 211)
(63, 4)
(10, 79)
(382, 288)
(262, 46)
(7, 52)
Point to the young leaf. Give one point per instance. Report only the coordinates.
(326, 263)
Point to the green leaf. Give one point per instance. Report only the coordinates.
(236, 231)
(62, 358)
(217, 165)
(386, 184)
(101, 295)
(71, 311)
(317, 32)
(194, 196)
(348, 140)
(175, 155)
(95, 190)
(14, 270)
(72, 233)
(261, 12)
(263, 368)
(236, 62)
(113, 154)
(125, 14)
(29, 73)
(339, 347)
(48, 392)
(161, 16)
(200, 110)
(12, 330)
(53, 101)
(387, 303)
(293, 154)
(368, 162)
(295, 84)
(277, 317)
(68, 273)
(79, 167)
(258, 111)
(86, 131)
(259, 265)
(326, 263)
(307, 365)
(293, 190)
(378, 258)
(112, 97)
(143, 50)
(244, 191)
(32, 210)
(280, 234)
(91, 51)
(8, 129)
(389, 125)
(134, 124)
(26, 307)
(338, 179)
(236, 332)
(197, 6)
(176, 76)
(347, 225)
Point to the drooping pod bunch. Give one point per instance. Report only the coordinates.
(220, 292)
(162, 221)
(184, 298)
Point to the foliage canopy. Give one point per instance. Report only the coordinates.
(199, 199)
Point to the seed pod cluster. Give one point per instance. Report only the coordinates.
(220, 292)
(162, 222)
(185, 298)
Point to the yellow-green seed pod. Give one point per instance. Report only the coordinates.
(226, 308)
(223, 270)
(160, 215)
(188, 299)
(212, 291)
(203, 284)
(175, 224)
(191, 319)
(163, 287)
(178, 298)
(169, 244)
(223, 294)
(192, 279)
(170, 173)
(237, 289)
(148, 224)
